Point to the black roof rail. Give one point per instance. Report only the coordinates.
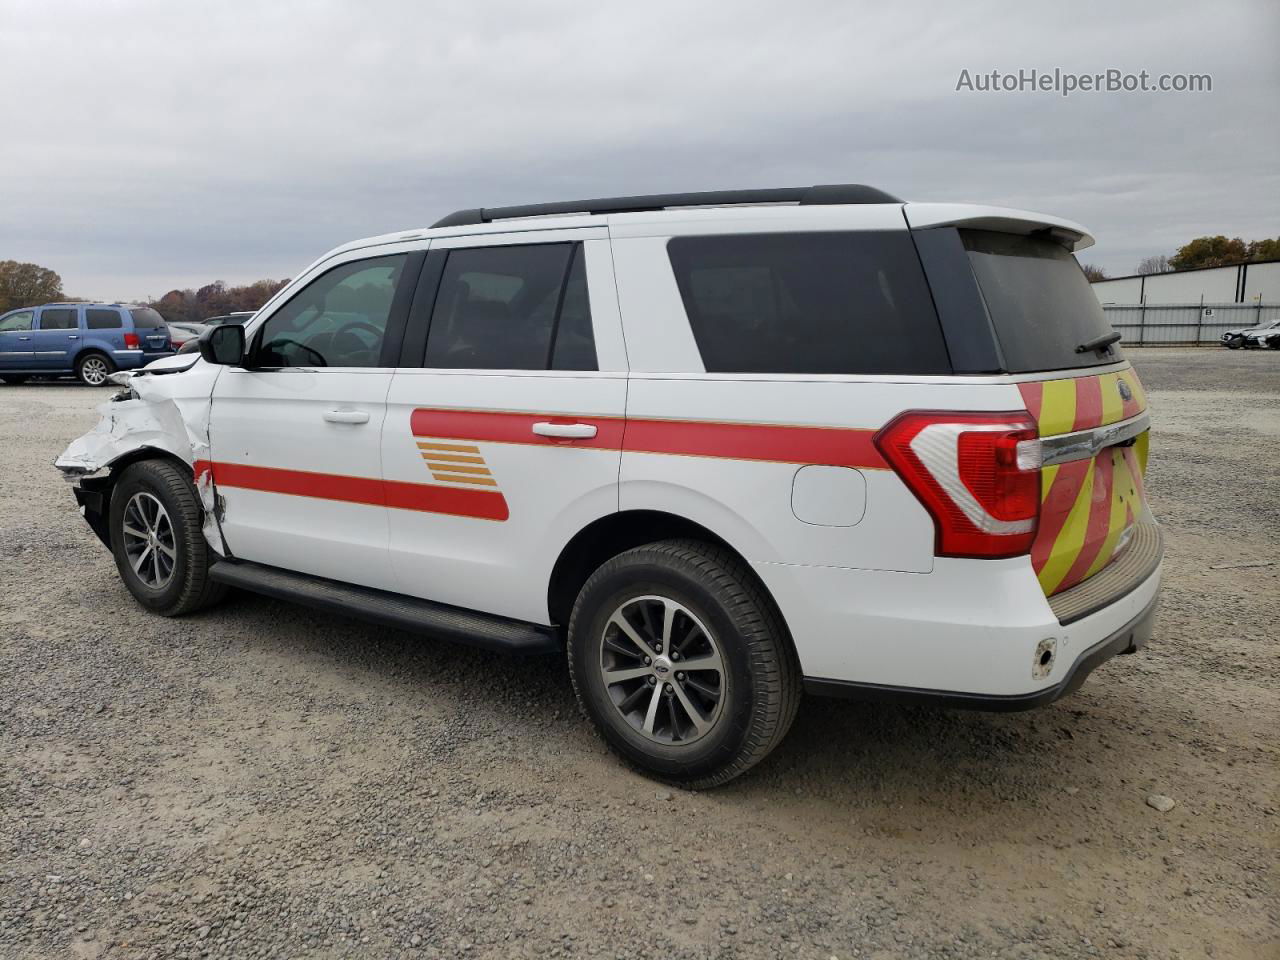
(835, 193)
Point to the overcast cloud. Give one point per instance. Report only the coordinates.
(148, 146)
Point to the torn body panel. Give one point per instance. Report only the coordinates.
(165, 410)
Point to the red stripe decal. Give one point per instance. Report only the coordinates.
(1088, 403)
(510, 427)
(425, 497)
(1033, 397)
(830, 446)
(1095, 534)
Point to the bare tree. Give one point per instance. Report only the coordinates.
(1156, 264)
(1093, 273)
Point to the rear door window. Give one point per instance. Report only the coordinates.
(102, 319)
(144, 318)
(1039, 301)
(58, 318)
(513, 308)
(817, 303)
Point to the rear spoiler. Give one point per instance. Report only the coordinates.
(922, 216)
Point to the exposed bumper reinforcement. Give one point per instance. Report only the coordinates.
(1128, 639)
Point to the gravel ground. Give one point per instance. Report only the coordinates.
(259, 781)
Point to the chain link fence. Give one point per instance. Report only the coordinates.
(1189, 324)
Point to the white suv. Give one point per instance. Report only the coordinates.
(721, 448)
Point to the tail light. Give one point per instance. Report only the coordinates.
(131, 341)
(978, 475)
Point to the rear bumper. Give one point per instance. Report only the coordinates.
(1130, 638)
(970, 632)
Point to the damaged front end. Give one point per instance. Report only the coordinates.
(162, 412)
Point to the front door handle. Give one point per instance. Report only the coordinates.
(565, 431)
(72, 336)
(346, 416)
(24, 338)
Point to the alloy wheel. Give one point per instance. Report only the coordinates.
(663, 670)
(93, 370)
(149, 541)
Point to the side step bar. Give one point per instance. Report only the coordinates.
(389, 609)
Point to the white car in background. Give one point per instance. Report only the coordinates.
(716, 449)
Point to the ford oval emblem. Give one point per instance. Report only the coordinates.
(1125, 393)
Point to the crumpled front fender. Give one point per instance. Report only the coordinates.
(169, 414)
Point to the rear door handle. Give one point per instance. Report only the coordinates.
(565, 431)
(72, 336)
(346, 416)
(24, 338)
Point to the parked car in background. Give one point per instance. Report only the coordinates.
(181, 333)
(1235, 339)
(714, 455)
(241, 317)
(1263, 336)
(90, 340)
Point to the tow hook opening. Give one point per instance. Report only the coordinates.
(1046, 653)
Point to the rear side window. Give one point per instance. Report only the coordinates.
(1039, 301)
(145, 318)
(58, 319)
(513, 308)
(821, 303)
(103, 319)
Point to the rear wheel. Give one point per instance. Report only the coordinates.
(682, 663)
(157, 539)
(94, 368)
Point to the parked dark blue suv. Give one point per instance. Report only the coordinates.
(91, 340)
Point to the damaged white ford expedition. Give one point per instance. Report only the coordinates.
(716, 448)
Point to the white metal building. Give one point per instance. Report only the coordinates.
(1247, 283)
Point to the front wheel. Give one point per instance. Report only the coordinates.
(682, 663)
(93, 369)
(157, 539)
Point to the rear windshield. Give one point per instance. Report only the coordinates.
(821, 303)
(145, 317)
(1039, 301)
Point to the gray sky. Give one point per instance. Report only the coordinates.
(148, 146)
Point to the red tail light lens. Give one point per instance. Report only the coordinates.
(131, 341)
(978, 475)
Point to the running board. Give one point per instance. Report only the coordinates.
(389, 609)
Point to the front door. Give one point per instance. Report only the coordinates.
(504, 432)
(16, 341)
(56, 337)
(295, 434)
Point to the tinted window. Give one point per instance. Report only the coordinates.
(823, 303)
(1039, 301)
(513, 308)
(146, 318)
(17, 321)
(58, 319)
(337, 320)
(102, 319)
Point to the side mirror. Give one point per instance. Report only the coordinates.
(223, 344)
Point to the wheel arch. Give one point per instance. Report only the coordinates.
(95, 492)
(615, 533)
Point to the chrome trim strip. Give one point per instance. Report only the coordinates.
(126, 351)
(1083, 444)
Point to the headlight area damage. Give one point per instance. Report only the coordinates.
(156, 415)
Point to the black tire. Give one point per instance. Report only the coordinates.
(760, 686)
(1232, 344)
(93, 368)
(188, 588)
(14, 379)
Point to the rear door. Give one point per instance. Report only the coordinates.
(153, 335)
(56, 337)
(295, 435)
(16, 340)
(504, 423)
(1044, 316)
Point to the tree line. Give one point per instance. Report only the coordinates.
(29, 285)
(1216, 251)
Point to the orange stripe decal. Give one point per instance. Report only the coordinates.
(1088, 403)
